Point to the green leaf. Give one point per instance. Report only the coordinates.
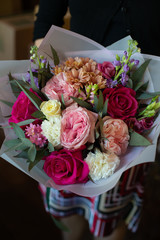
(95, 103)
(55, 56)
(130, 83)
(90, 146)
(50, 147)
(146, 95)
(39, 114)
(138, 74)
(7, 103)
(15, 89)
(17, 147)
(100, 102)
(137, 139)
(33, 85)
(23, 154)
(18, 131)
(100, 123)
(32, 153)
(12, 142)
(82, 103)
(23, 123)
(27, 142)
(60, 224)
(63, 102)
(39, 155)
(105, 107)
(33, 98)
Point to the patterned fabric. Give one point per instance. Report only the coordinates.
(103, 212)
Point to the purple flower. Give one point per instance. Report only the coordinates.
(136, 62)
(126, 68)
(117, 63)
(124, 78)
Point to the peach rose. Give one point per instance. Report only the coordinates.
(115, 135)
(77, 127)
(57, 86)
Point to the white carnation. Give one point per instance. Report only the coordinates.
(101, 165)
(51, 130)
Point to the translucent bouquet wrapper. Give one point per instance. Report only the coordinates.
(69, 44)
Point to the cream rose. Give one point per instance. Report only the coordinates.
(51, 108)
(101, 165)
(51, 130)
(115, 135)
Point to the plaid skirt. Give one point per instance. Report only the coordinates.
(103, 212)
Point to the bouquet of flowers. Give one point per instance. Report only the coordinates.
(82, 119)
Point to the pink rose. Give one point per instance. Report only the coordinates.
(107, 69)
(147, 123)
(57, 86)
(115, 135)
(66, 167)
(22, 108)
(122, 102)
(77, 127)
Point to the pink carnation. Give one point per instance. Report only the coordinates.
(77, 127)
(57, 86)
(115, 135)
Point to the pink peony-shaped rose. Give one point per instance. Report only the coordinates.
(107, 69)
(115, 135)
(57, 86)
(22, 108)
(122, 102)
(66, 167)
(77, 127)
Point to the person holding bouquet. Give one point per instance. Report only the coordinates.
(105, 22)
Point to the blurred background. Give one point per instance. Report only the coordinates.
(22, 214)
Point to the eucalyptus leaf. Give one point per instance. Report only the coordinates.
(100, 102)
(63, 102)
(18, 131)
(7, 103)
(39, 114)
(33, 98)
(105, 107)
(147, 95)
(96, 103)
(137, 139)
(55, 56)
(82, 103)
(39, 155)
(12, 142)
(50, 147)
(26, 142)
(23, 154)
(32, 153)
(138, 74)
(130, 83)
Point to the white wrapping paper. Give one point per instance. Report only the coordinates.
(68, 43)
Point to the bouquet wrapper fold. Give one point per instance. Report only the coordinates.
(67, 44)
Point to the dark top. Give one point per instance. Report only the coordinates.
(105, 21)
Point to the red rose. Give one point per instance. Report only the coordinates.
(107, 69)
(122, 103)
(66, 167)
